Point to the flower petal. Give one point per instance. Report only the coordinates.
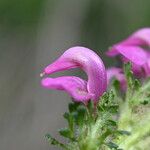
(117, 73)
(88, 61)
(134, 54)
(74, 86)
(140, 37)
(112, 51)
(59, 65)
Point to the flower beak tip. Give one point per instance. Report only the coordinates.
(42, 74)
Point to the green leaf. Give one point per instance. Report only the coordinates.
(90, 106)
(74, 116)
(112, 145)
(90, 110)
(73, 106)
(112, 122)
(127, 69)
(65, 132)
(70, 119)
(53, 141)
(146, 101)
(111, 95)
(137, 84)
(107, 103)
(129, 74)
(66, 116)
(113, 108)
(116, 85)
(124, 132)
(81, 115)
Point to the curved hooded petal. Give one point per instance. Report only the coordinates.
(137, 56)
(131, 50)
(74, 86)
(88, 61)
(138, 38)
(117, 73)
(134, 54)
(112, 51)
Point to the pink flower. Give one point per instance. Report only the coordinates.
(116, 73)
(133, 49)
(79, 89)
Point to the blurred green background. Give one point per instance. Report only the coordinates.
(35, 32)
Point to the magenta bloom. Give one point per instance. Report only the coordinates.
(116, 73)
(134, 49)
(79, 89)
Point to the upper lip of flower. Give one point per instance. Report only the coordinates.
(131, 49)
(133, 53)
(138, 38)
(85, 59)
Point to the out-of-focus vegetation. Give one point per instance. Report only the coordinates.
(35, 32)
